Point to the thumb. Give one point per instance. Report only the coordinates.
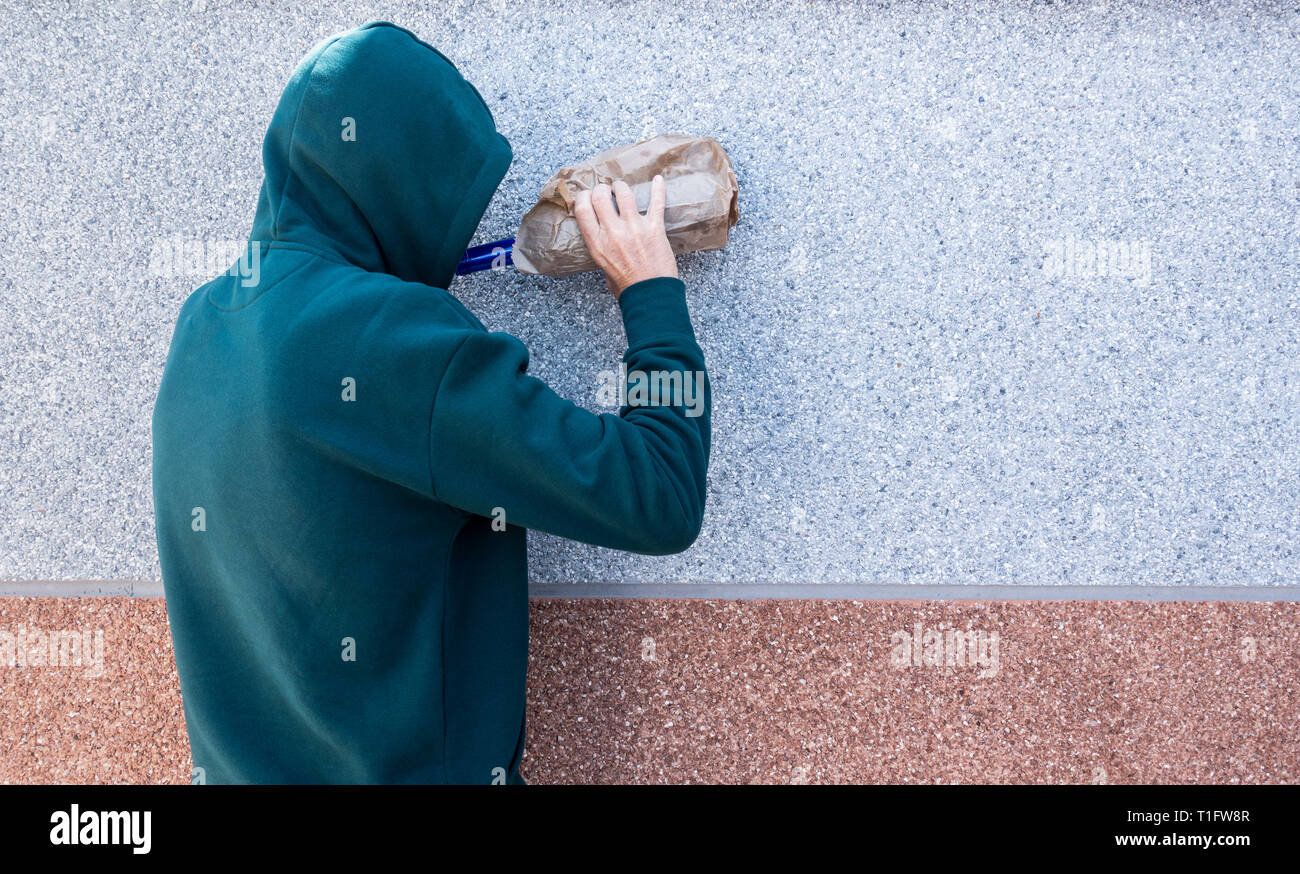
(658, 199)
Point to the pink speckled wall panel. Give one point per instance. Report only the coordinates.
(677, 691)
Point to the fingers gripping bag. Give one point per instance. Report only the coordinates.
(702, 201)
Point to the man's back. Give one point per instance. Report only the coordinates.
(301, 542)
(345, 460)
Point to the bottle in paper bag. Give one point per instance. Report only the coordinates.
(702, 202)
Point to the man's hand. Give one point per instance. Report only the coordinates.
(627, 246)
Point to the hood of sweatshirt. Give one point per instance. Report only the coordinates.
(381, 154)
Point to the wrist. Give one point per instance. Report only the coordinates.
(645, 276)
(655, 307)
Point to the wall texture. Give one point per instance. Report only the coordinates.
(922, 374)
(685, 691)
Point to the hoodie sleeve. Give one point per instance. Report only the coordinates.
(636, 481)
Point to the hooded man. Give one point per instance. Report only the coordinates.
(345, 460)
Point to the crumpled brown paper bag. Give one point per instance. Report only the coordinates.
(702, 204)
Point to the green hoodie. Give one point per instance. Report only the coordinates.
(345, 461)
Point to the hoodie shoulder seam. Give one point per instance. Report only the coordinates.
(433, 406)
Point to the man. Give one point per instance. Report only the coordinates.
(345, 460)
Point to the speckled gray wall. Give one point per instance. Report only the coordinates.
(920, 375)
